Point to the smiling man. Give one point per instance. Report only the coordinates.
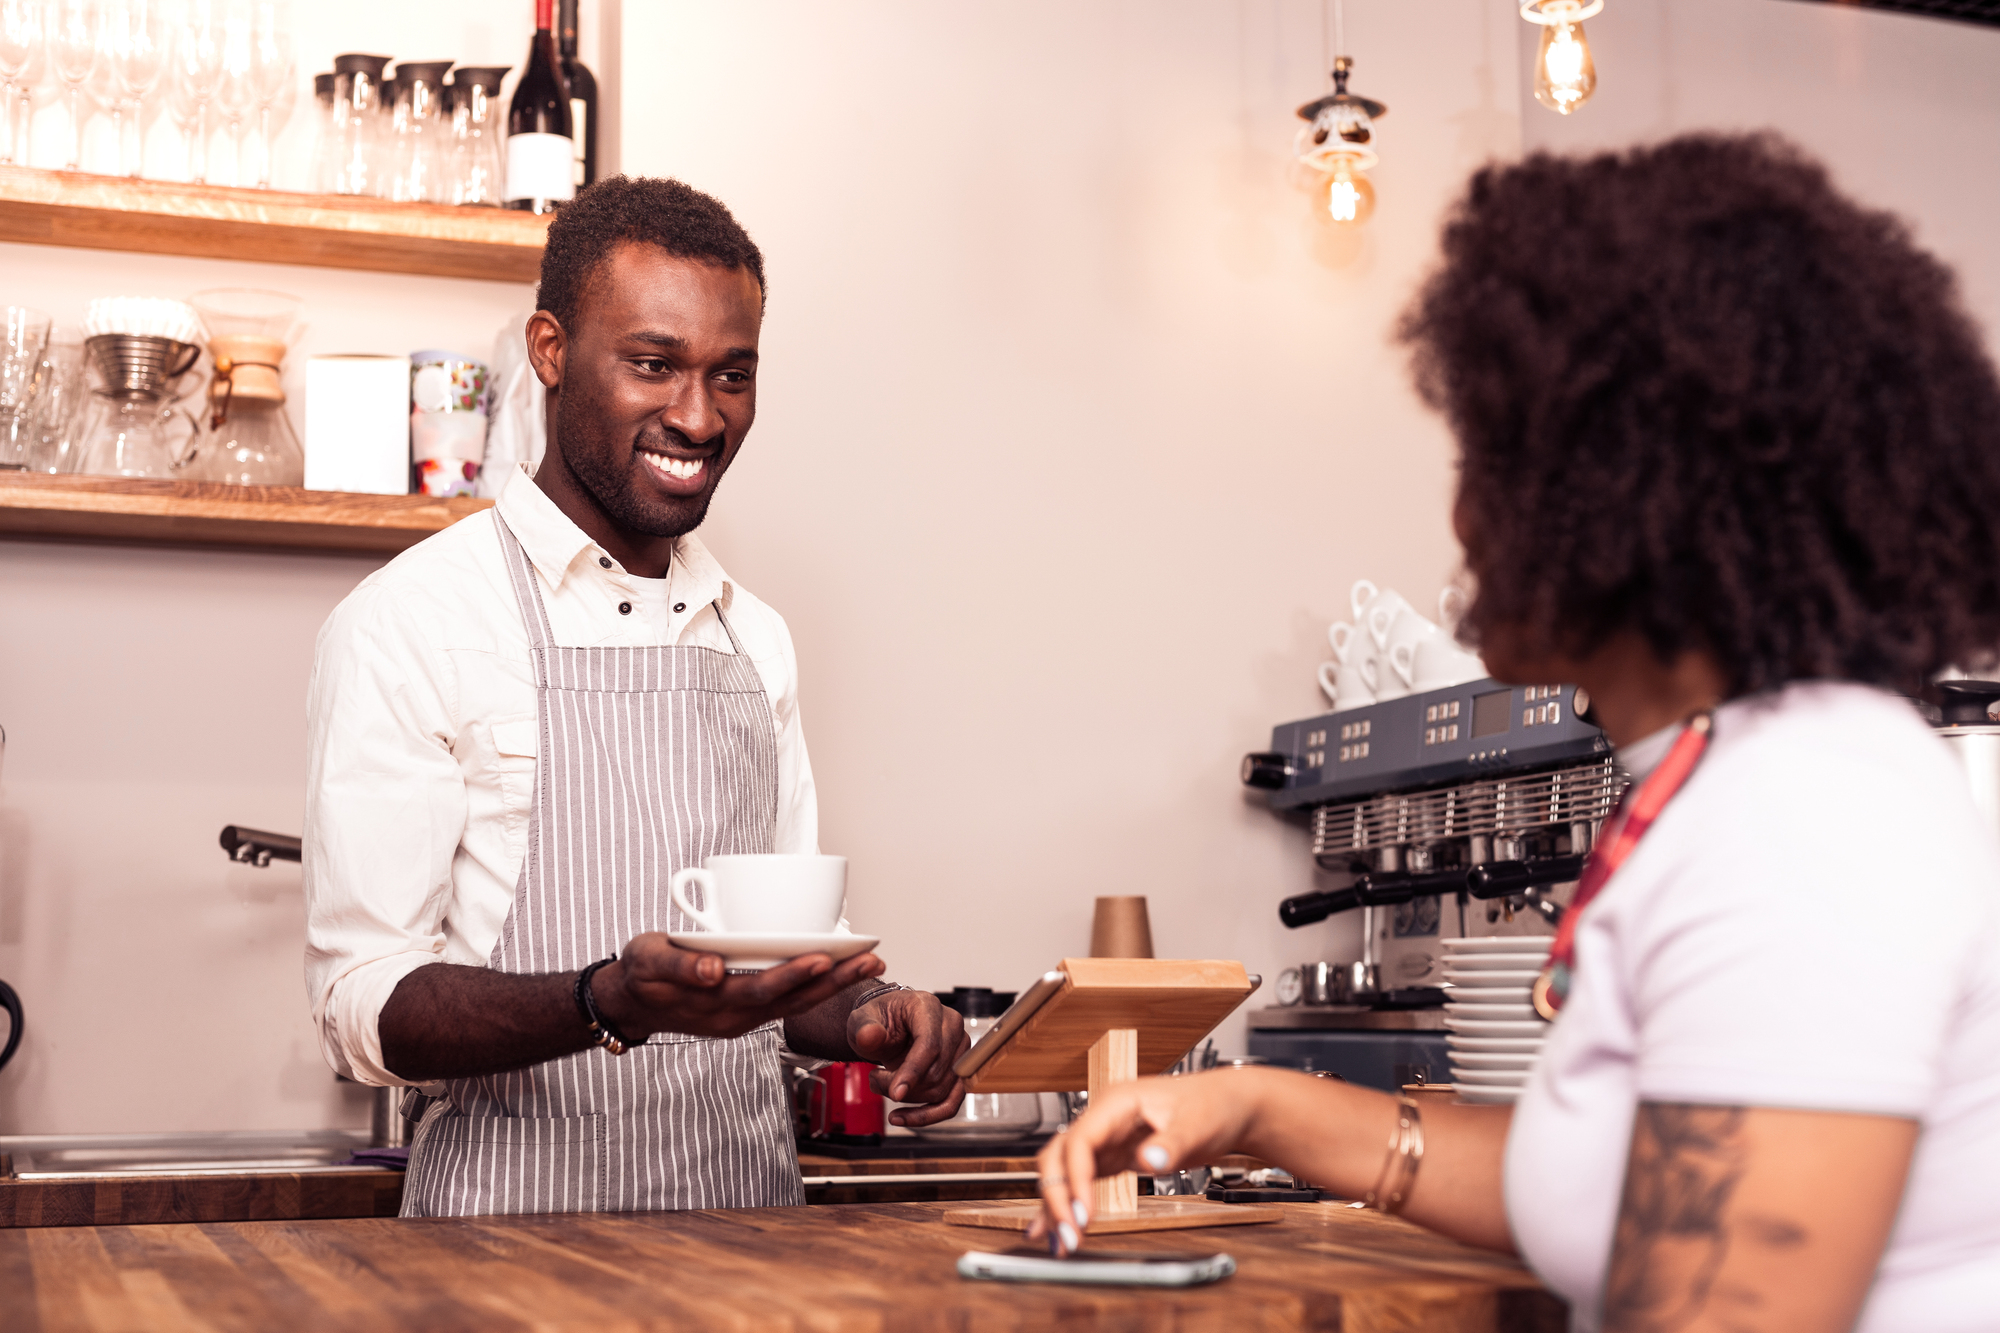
(522, 727)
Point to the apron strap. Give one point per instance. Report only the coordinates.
(734, 642)
(526, 590)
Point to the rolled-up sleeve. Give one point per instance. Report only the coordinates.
(385, 811)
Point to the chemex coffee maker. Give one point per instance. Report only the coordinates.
(1477, 791)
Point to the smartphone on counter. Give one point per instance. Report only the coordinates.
(1099, 1267)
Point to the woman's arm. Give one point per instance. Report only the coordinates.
(1738, 1217)
(1332, 1134)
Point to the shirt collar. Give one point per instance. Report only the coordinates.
(555, 543)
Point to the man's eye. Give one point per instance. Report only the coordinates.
(734, 377)
(653, 365)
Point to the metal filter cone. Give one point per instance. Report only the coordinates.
(138, 365)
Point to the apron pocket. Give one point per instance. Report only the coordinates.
(463, 1165)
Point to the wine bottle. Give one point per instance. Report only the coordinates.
(541, 170)
(582, 95)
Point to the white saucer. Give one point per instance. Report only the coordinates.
(1497, 944)
(1477, 1028)
(754, 951)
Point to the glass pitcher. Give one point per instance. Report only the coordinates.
(133, 428)
(250, 440)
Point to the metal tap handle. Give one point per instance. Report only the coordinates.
(256, 847)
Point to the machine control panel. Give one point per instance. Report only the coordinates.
(1438, 736)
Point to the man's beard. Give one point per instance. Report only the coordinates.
(612, 485)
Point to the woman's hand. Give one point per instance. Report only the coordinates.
(1153, 1125)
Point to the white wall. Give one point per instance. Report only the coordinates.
(1904, 110)
(1076, 426)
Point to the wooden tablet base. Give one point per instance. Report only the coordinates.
(1132, 989)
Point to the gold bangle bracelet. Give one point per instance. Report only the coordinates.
(1399, 1168)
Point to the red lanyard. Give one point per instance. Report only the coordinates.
(1552, 987)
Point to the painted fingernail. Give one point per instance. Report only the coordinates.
(1054, 1248)
(1155, 1155)
(1069, 1237)
(1076, 1211)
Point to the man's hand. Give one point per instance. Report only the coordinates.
(656, 986)
(917, 1040)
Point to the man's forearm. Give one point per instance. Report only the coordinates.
(821, 1031)
(445, 1020)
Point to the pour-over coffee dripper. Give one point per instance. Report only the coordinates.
(250, 440)
(132, 416)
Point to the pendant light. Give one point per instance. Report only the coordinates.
(1565, 75)
(1334, 143)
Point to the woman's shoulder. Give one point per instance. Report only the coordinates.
(1834, 789)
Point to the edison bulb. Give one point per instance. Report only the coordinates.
(1349, 196)
(1565, 76)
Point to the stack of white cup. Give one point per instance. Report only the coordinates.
(1390, 650)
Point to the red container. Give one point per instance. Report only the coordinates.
(844, 1103)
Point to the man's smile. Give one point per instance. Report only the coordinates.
(680, 469)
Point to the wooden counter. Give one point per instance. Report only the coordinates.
(875, 1267)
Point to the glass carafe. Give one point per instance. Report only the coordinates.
(250, 440)
(988, 1115)
(133, 428)
(479, 134)
(423, 135)
(357, 124)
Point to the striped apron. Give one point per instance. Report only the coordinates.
(650, 759)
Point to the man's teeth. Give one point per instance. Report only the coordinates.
(682, 468)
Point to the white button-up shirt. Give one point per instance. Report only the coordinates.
(420, 761)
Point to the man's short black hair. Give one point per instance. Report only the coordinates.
(674, 216)
(1701, 396)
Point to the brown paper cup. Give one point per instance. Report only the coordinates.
(1121, 929)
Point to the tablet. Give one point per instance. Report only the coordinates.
(1017, 1015)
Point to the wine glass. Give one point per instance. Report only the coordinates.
(139, 47)
(197, 66)
(270, 78)
(75, 30)
(234, 92)
(20, 38)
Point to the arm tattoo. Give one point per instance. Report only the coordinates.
(1672, 1231)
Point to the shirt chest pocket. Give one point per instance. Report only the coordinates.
(516, 742)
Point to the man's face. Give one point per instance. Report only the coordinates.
(658, 385)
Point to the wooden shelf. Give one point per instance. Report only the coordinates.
(217, 222)
(185, 513)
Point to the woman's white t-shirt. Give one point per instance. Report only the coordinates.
(1813, 923)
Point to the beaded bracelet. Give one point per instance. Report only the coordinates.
(602, 1033)
(1406, 1154)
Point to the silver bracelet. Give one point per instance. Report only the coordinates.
(882, 989)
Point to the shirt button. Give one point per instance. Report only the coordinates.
(624, 608)
(680, 607)
(604, 560)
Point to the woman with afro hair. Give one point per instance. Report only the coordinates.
(1730, 462)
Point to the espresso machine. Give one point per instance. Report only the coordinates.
(1462, 810)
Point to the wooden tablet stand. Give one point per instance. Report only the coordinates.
(1113, 1020)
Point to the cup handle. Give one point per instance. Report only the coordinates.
(678, 889)
(1404, 659)
(1326, 678)
(1364, 592)
(1370, 672)
(1340, 634)
(1379, 621)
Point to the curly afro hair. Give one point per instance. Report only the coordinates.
(678, 218)
(1703, 397)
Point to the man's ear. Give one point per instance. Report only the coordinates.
(547, 347)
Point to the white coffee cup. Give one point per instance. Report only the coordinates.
(765, 893)
(1438, 662)
(1340, 634)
